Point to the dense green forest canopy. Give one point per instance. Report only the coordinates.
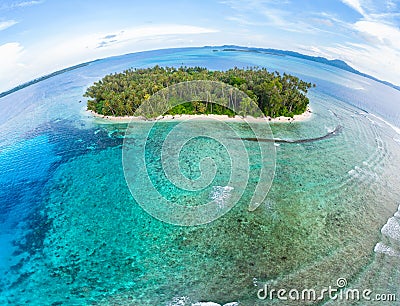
(120, 94)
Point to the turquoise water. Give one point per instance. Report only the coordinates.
(72, 234)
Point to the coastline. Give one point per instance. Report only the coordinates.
(168, 118)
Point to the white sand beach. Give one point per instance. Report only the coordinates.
(111, 119)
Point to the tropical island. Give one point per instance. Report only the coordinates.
(121, 94)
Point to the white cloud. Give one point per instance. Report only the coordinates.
(6, 24)
(19, 65)
(99, 44)
(271, 17)
(391, 5)
(370, 44)
(147, 32)
(378, 51)
(384, 34)
(9, 55)
(241, 20)
(10, 63)
(356, 5)
(241, 5)
(28, 3)
(20, 4)
(380, 61)
(325, 22)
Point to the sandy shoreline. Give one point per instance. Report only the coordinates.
(110, 119)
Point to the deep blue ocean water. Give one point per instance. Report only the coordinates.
(72, 234)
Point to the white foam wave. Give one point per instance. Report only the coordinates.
(329, 129)
(392, 229)
(180, 301)
(395, 128)
(362, 173)
(370, 120)
(397, 213)
(384, 249)
(353, 173)
(219, 194)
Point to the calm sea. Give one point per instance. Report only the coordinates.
(72, 234)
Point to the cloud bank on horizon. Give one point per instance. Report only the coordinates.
(41, 36)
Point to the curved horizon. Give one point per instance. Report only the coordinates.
(289, 53)
(39, 37)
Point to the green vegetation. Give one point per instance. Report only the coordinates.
(120, 94)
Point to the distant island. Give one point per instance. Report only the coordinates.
(121, 94)
(335, 63)
(45, 77)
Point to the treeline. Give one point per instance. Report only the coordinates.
(120, 94)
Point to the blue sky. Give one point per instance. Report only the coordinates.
(40, 36)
